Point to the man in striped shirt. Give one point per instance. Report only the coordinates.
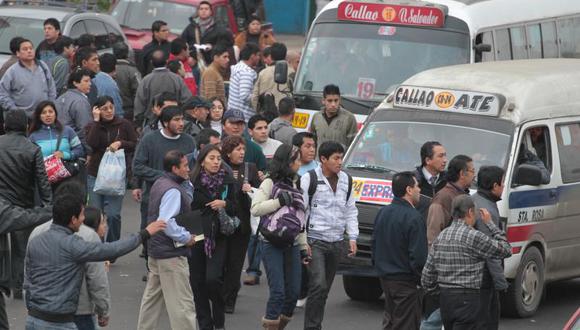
(242, 80)
(456, 263)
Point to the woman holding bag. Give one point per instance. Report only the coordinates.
(52, 137)
(108, 132)
(214, 196)
(283, 264)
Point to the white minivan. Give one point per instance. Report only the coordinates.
(488, 111)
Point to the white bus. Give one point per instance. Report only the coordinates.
(368, 47)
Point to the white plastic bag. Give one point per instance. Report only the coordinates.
(112, 173)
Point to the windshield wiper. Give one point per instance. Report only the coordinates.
(371, 168)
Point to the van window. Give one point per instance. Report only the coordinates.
(487, 38)
(568, 37)
(537, 141)
(77, 30)
(502, 45)
(534, 40)
(98, 29)
(518, 41)
(549, 41)
(568, 138)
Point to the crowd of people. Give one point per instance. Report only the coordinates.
(221, 176)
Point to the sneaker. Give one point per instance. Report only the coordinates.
(301, 302)
(251, 280)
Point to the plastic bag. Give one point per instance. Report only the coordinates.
(112, 173)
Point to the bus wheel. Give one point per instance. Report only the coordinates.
(525, 292)
(362, 288)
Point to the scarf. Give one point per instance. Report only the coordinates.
(211, 182)
(205, 24)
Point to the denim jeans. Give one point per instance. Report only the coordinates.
(433, 322)
(32, 323)
(110, 205)
(254, 266)
(321, 271)
(283, 269)
(85, 322)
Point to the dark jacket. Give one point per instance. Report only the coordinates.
(427, 190)
(100, 135)
(399, 242)
(148, 50)
(201, 197)
(22, 170)
(243, 201)
(439, 215)
(192, 126)
(211, 36)
(128, 79)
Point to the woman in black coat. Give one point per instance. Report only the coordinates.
(214, 192)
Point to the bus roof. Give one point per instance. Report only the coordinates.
(533, 89)
(482, 14)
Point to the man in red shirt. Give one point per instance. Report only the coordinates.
(180, 51)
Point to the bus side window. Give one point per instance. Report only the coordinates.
(485, 38)
(568, 37)
(518, 43)
(568, 139)
(537, 141)
(502, 45)
(549, 41)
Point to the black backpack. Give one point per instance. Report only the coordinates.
(314, 182)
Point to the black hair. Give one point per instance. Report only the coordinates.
(255, 119)
(249, 50)
(15, 121)
(93, 216)
(37, 123)
(21, 41)
(158, 59)
(206, 3)
(85, 40)
(52, 21)
(156, 26)
(298, 138)
(229, 144)
(330, 90)
(427, 150)
(201, 158)
(329, 148)
(174, 66)
(286, 106)
(84, 54)
(203, 137)
(168, 113)
(108, 62)
(218, 50)
(461, 205)
(279, 51)
(71, 187)
(488, 176)
(267, 51)
(177, 46)
(15, 45)
(121, 50)
(65, 206)
(456, 165)
(284, 156)
(172, 158)
(161, 98)
(77, 75)
(401, 181)
(221, 100)
(251, 19)
(61, 43)
(102, 100)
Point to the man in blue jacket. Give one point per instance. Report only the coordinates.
(400, 252)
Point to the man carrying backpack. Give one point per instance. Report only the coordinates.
(328, 192)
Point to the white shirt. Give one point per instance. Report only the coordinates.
(269, 147)
(428, 175)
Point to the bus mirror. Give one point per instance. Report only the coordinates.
(528, 175)
(481, 48)
(281, 72)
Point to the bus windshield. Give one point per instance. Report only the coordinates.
(394, 146)
(367, 60)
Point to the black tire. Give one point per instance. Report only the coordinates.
(362, 288)
(524, 294)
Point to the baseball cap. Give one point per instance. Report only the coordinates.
(234, 116)
(195, 102)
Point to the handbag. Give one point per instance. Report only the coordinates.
(228, 224)
(58, 169)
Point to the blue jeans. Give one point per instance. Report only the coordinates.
(284, 272)
(433, 322)
(32, 323)
(254, 266)
(85, 322)
(110, 205)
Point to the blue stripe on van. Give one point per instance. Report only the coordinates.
(542, 197)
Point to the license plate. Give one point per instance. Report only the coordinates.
(300, 120)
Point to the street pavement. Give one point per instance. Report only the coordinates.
(341, 313)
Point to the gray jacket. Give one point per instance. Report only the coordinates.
(95, 295)
(23, 89)
(128, 79)
(494, 266)
(75, 111)
(55, 267)
(60, 69)
(282, 131)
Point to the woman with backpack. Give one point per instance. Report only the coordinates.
(246, 176)
(280, 205)
(214, 199)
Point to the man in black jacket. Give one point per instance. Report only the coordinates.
(399, 253)
(21, 171)
(160, 32)
(431, 174)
